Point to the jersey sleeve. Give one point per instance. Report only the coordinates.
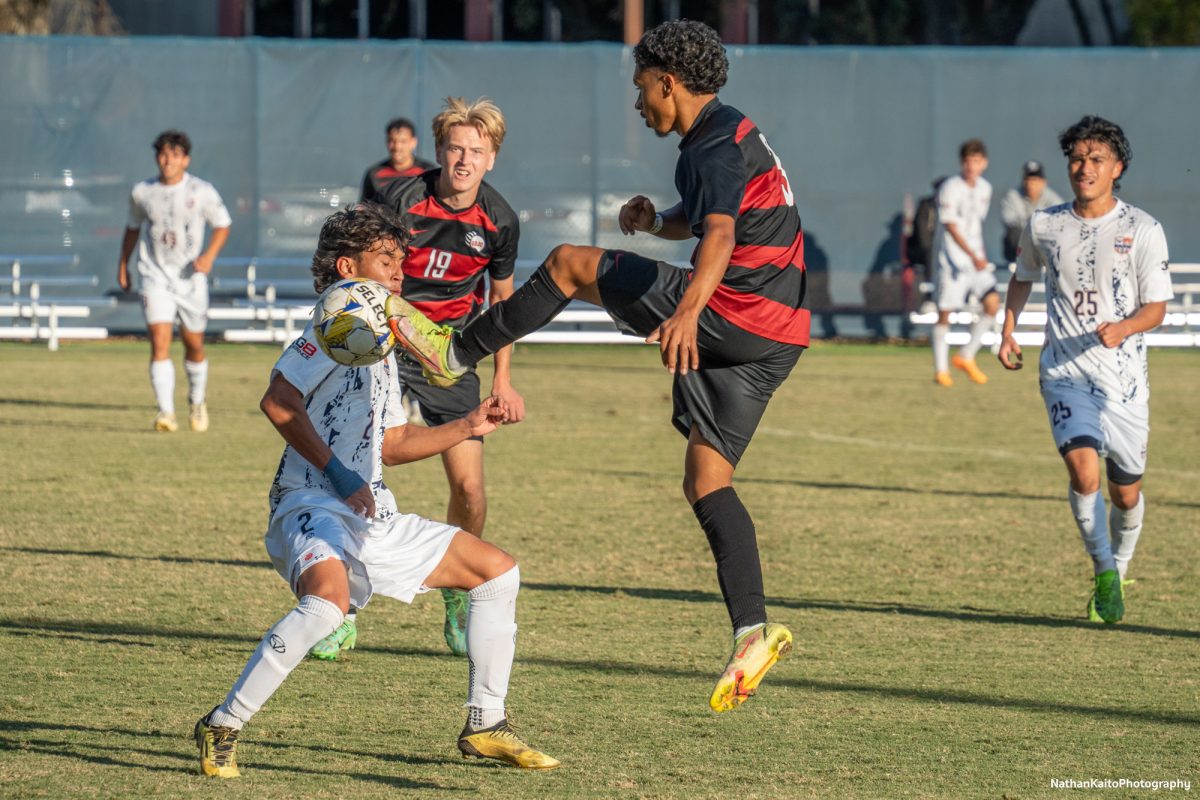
(713, 182)
(137, 214)
(504, 257)
(367, 193)
(303, 364)
(949, 202)
(215, 212)
(1030, 262)
(1152, 264)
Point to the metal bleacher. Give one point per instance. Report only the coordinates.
(1180, 327)
(36, 298)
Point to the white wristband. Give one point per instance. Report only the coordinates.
(657, 226)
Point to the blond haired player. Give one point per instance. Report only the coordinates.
(1105, 264)
(166, 223)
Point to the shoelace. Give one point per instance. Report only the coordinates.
(224, 742)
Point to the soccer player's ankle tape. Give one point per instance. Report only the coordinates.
(344, 480)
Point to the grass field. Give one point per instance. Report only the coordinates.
(917, 541)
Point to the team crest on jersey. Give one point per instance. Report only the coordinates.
(475, 241)
(1123, 244)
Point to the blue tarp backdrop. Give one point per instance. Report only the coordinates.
(284, 129)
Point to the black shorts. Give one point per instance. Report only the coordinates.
(438, 406)
(739, 370)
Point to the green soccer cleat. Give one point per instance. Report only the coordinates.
(425, 340)
(344, 637)
(754, 652)
(1107, 603)
(501, 742)
(218, 749)
(455, 629)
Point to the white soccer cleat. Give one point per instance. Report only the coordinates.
(198, 417)
(165, 422)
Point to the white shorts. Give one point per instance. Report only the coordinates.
(390, 557)
(1118, 431)
(956, 287)
(187, 300)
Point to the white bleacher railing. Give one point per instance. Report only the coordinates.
(1180, 326)
(25, 301)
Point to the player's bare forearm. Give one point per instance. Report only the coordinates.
(1014, 301)
(215, 242)
(128, 243)
(675, 224)
(960, 240)
(283, 405)
(1148, 317)
(408, 443)
(712, 260)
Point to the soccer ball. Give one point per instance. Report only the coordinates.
(351, 323)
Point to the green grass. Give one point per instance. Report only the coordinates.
(917, 541)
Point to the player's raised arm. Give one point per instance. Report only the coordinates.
(284, 406)
(639, 214)
(407, 443)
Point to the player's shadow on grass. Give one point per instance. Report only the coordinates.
(222, 562)
(646, 593)
(964, 614)
(71, 404)
(875, 487)
(11, 740)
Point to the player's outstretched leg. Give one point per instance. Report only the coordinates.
(344, 637)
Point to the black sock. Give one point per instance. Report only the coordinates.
(533, 305)
(730, 533)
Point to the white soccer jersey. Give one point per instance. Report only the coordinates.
(171, 220)
(1096, 270)
(350, 408)
(966, 207)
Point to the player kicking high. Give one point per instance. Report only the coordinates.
(730, 329)
(1107, 282)
(334, 532)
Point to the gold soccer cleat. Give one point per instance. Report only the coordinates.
(502, 743)
(198, 417)
(165, 422)
(754, 652)
(218, 749)
(425, 340)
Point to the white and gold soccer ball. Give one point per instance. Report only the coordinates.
(351, 323)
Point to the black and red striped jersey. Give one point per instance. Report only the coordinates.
(451, 250)
(379, 176)
(726, 167)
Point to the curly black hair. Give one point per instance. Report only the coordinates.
(689, 50)
(352, 231)
(1097, 129)
(173, 138)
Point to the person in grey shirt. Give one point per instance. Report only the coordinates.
(1020, 202)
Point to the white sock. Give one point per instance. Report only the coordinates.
(162, 378)
(981, 326)
(197, 374)
(282, 648)
(1125, 526)
(491, 643)
(941, 350)
(1092, 520)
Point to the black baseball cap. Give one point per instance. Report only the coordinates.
(1032, 169)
